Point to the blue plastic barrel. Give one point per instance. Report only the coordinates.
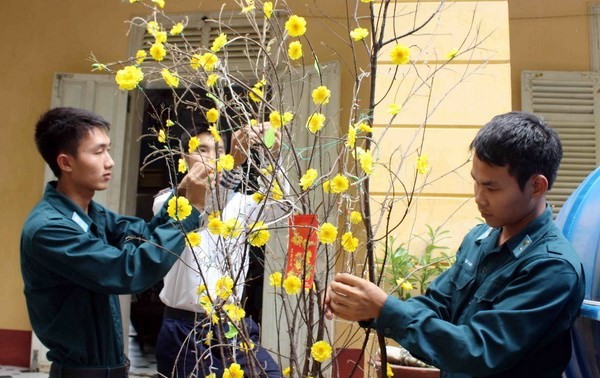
(579, 220)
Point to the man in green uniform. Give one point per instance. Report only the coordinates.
(77, 256)
(506, 307)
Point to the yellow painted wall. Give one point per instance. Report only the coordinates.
(547, 35)
(465, 94)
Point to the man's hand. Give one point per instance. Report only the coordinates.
(353, 298)
(197, 183)
(246, 137)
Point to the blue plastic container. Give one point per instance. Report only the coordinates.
(579, 220)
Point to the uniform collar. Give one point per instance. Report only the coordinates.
(70, 209)
(521, 241)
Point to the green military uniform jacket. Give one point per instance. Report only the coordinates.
(500, 311)
(75, 264)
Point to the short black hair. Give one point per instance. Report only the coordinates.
(522, 141)
(60, 130)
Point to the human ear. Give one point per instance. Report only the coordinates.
(539, 184)
(64, 162)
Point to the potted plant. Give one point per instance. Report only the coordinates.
(408, 270)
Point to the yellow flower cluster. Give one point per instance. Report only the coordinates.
(268, 8)
(193, 144)
(181, 166)
(224, 287)
(219, 43)
(308, 178)
(129, 77)
(206, 61)
(295, 26)
(212, 80)
(275, 279)
(212, 115)
(321, 95)
(193, 239)
(327, 233)
(422, 164)
(315, 122)
(259, 236)
(225, 163)
(215, 133)
(235, 313)
(277, 120)
(233, 371)
(355, 217)
(400, 54)
(295, 50)
(292, 284)
(170, 78)
(162, 136)
(256, 93)
(321, 351)
(349, 242)
(176, 29)
(359, 33)
(179, 207)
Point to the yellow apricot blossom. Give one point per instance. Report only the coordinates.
(295, 26)
(321, 95)
(215, 133)
(212, 80)
(206, 61)
(193, 239)
(233, 371)
(129, 77)
(349, 242)
(224, 287)
(219, 42)
(400, 54)
(422, 164)
(170, 78)
(235, 313)
(275, 279)
(327, 233)
(321, 351)
(160, 37)
(162, 136)
(158, 51)
(215, 226)
(292, 284)
(193, 144)
(181, 166)
(366, 161)
(231, 228)
(295, 50)
(339, 184)
(225, 163)
(179, 207)
(140, 55)
(355, 217)
(394, 109)
(359, 33)
(176, 29)
(160, 3)
(259, 235)
(315, 122)
(351, 139)
(308, 178)
(268, 8)
(451, 54)
(212, 115)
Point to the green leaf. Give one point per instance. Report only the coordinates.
(269, 138)
(232, 332)
(215, 99)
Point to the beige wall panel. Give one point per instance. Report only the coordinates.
(447, 151)
(459, 25)
(456, 99)
(546, 8)
(457, 215)
(555, 43)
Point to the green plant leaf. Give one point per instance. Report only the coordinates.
(232, 332)
(269, 138)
